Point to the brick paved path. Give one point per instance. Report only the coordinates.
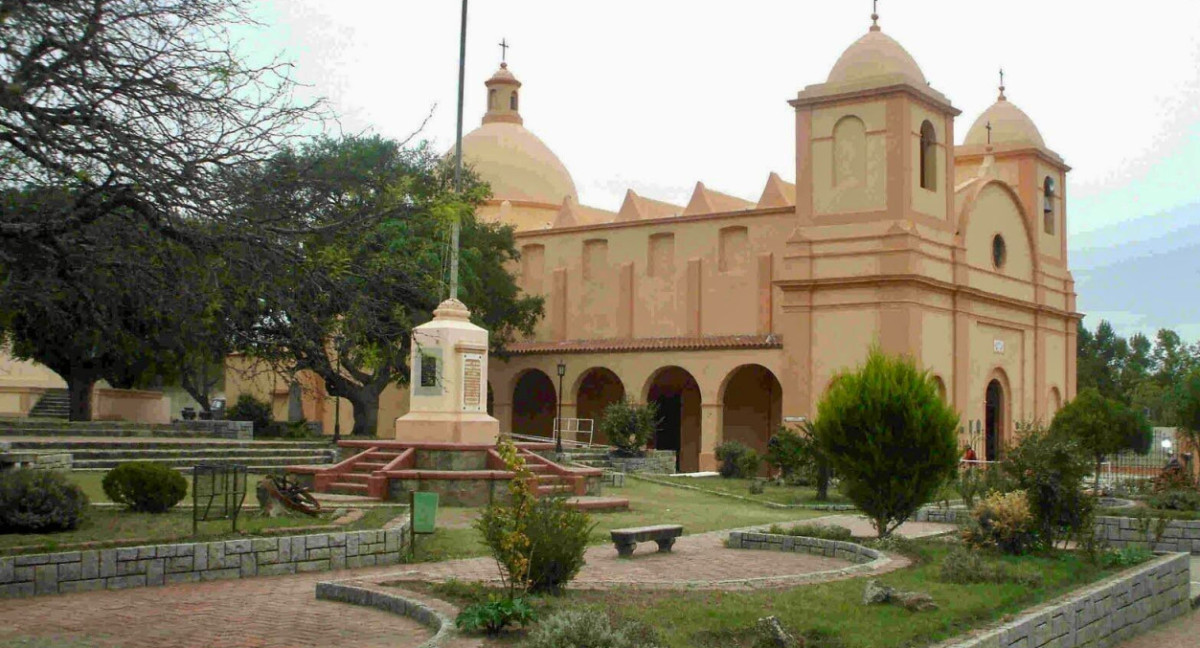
(282, 611)
(253, 613)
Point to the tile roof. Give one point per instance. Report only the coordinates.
(703, 343)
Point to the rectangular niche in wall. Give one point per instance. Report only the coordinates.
(660, 261)
(533, 268)
(595, 258)
(732, 249)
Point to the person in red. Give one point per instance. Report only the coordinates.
(969, 455)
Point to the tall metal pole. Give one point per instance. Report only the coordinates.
(462, 64)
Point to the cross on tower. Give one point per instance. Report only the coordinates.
(1001, 77)
(503, 50)
(989, 130)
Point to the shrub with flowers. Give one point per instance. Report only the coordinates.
(538, 544)
(1003, 521)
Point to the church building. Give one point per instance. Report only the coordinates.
(734, 315)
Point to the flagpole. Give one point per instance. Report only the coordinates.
(454, 227)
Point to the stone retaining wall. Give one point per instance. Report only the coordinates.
(94, 569)
(656, 462)
(854, 553)
(1178, 535)
(1100, 616)
(35, 460)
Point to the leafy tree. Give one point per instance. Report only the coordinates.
(1101, 359)
(629, 426)
(105, 304)
(889, 436)
(342, 302)
(1172, 359)
(1103, 427)
(134, 106)
(1188, 409)
(1050, 469)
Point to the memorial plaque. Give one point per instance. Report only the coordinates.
(472, 383)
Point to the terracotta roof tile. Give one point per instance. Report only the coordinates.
(704, 343)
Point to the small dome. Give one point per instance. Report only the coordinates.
(875, 55)
(1010, 125)
(517, 164)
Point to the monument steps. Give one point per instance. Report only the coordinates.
(55, 403)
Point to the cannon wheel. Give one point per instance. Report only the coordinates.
(292, 495)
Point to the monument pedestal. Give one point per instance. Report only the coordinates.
(448, 387)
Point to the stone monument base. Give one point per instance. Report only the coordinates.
(444, 427)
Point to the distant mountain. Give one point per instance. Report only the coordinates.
(1143, 274)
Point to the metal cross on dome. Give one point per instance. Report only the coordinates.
(503, 50)
(989, 130)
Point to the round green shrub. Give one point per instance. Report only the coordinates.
(588, 627)
(737, 459)
(889, 436)
(249, 408)
(39, 501)
(1176, 500)
(629, 426)
(145, 486)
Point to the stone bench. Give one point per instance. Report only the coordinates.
(663, 534)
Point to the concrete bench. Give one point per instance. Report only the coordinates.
(663, 534)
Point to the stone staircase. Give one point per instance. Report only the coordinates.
(55, 403)
(257, 456)
(596, 457)
(44, 428)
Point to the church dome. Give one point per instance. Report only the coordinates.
(515, 162)
(875, 55)
(1010, 125)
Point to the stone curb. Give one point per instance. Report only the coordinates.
(366, 595)
(1103, 614)
(774, 505)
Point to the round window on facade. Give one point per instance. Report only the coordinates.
(999, 251)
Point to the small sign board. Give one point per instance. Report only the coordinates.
(998, 346)
(424, 512)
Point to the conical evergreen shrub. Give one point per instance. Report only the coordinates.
(889, 436)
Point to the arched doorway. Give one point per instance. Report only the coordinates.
(993, 420)
(751, 406)
(598, 388)
(534, 402)
(677, 396)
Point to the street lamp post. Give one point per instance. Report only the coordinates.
(562, 371)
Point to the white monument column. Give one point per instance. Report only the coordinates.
(448, 388)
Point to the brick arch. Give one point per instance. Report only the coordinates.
(751, 398)
(676, 392)
(594, 389)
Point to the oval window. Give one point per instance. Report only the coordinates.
(999, 251)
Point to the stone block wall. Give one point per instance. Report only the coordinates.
(451, 460)
(149, 566)
(451, 492)
(1101, 616)
(1178, 535)
(656, 462)
(35, 460)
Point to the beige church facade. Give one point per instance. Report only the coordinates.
(734, 315)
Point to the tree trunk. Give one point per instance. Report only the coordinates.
(822, 481)
(366, 411)
(79, 387)
(198, 389)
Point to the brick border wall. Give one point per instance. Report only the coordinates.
(365, 595)
(1118, 608)
(854, 553)
(149, 566)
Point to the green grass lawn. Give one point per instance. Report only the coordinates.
(828, 615)
(648, 504)
(114, 526)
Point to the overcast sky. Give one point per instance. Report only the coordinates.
(657, 94)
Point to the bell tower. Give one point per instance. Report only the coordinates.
(503, 97)
(875, 141)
